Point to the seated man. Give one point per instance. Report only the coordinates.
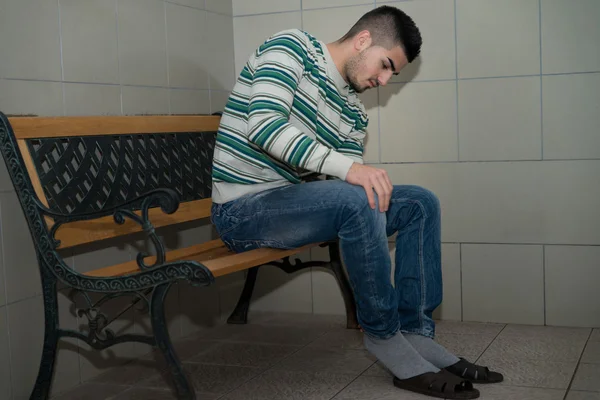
(295, 110)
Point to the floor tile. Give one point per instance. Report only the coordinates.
(215, 379)
(92, 391)
(378, 369)
(591, 355)
(376, 388)
(503, 392)
(578, 395)
(344, 339)
(274, 334)
(587, 378)
(463, 345)
(477, 328)
(324, 321)
(534, 331)
(338, 361)
(129, 374)
(245, 354)
(291, 385)
(539, 348)
(157, 394)
(531, 373)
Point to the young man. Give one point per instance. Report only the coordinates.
(295, 110)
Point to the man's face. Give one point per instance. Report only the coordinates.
(374, 66)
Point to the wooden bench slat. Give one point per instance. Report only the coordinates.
(213, 254)
(43, 127)
(81, 232)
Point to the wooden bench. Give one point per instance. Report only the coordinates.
(81, 180)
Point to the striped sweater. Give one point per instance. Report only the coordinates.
(290, 113)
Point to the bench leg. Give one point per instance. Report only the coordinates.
(43, 382)
(184, 390)
(338, 270)
(240, 314)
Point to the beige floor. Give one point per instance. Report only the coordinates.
(303, 357)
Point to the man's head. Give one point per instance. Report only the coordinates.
(381, 43)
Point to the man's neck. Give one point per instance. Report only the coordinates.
(337, 52)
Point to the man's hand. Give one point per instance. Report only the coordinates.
(370, 179)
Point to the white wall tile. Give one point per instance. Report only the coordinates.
(251, 32)
(571, 117)
(186, 45)
(5, 385)
(142, 42)
(277, 290)
(331, 24)
(90, 99)
(503, 283)
(221, 67)
(218, 100)
(89, 41)
(370, 100)
(21, 269)
(185, 101)
(145, 100)
(517, 202)
(26, 342)
(572, 277)
(31, 97)
(34, 26)
(220, 6)
(451, 307)
(487, 46)
(500, 119)
(2, 275)
(245, 7)
(435, 20)
(66, 373)
(190, 3)
(308, 4)
(442, 179)
(570, 36)
(573, 218)
(418, 122)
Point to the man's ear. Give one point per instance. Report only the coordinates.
(362, 40)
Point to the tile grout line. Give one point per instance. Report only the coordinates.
(460, 262)
(541, 81)
(167, 57)
(544, 282)
(62, 62)
(119, 55)
(10, 360)
(569, 386)
(456, 84)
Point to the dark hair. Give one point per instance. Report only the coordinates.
(389, 27)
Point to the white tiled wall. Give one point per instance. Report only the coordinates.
(500, 117)
(113, 57)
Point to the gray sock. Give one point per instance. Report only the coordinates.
(397, 354)
(432, 351)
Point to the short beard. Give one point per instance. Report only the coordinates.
(350, 69)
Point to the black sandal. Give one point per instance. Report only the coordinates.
(440, 384)
(474, 373)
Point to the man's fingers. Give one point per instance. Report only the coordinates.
(370, 196)
(382, 194)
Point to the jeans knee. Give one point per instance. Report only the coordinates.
(428, 200)
(356, 202)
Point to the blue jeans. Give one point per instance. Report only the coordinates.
(300, 214)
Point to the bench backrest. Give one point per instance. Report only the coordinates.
(81, 165)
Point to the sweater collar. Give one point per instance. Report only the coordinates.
(338, 79)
